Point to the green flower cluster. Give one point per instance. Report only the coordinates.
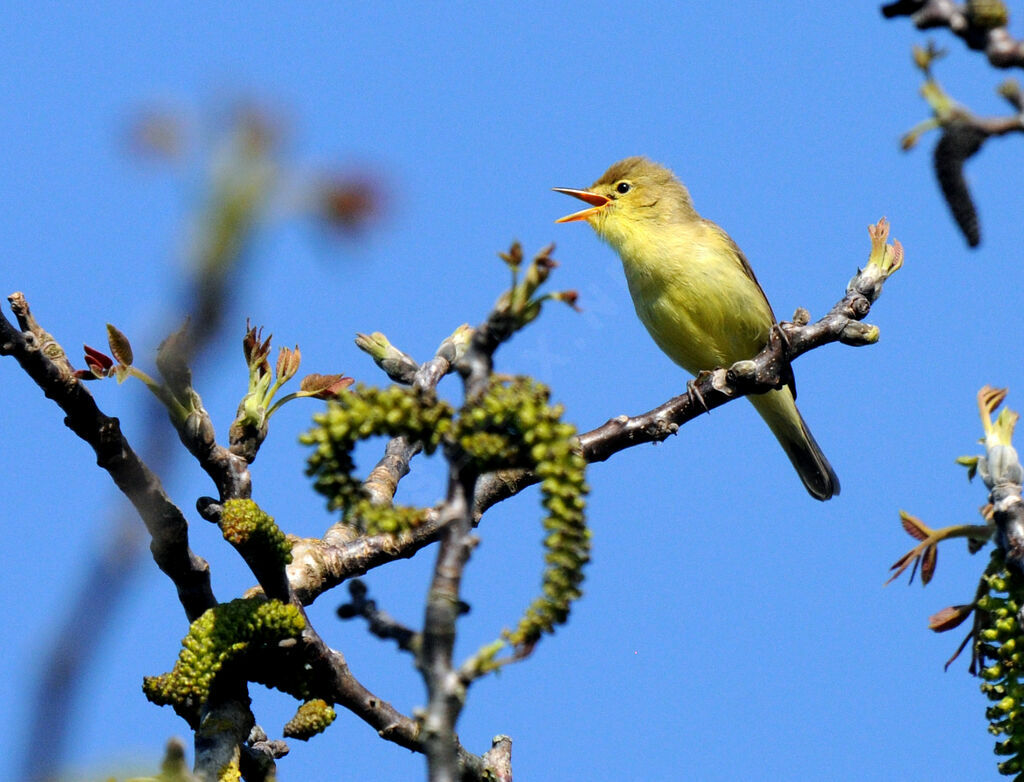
(1000, 649)
(312, 717)
(512, 425)
(222, 634)
(245, 524)
(369, 412)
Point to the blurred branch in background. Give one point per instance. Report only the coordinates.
(982, 24)
(243, 176)
(963, 134)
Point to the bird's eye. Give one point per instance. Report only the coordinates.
(623, 187)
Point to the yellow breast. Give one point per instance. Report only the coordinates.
(691, 291)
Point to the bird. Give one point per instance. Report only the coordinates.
(695, 292)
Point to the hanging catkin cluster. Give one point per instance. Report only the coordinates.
(369, 412)
(221, 635)
(959, 141)
(510, 426)
(1000, 650)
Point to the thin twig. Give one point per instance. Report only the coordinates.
(379, 622)
(167, 526)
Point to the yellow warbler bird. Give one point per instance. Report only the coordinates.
(695, 292)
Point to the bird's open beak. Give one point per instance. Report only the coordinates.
(598, 202)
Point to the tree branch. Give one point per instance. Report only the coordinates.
(445, 688)
(319, 565)
(379, 622)
(1001, 48)
(766, 371)
(48, 366)
(224, 725)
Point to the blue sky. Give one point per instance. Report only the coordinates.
(732, 628)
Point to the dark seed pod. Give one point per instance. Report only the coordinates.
(960, 140)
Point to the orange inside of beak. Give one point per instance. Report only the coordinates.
(598, 203)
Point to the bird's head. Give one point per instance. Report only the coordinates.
(634, 195)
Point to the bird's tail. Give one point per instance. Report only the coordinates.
(779, 411)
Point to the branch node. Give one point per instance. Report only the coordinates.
(209, 508)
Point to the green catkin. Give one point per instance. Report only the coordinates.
(312, 718)
(510, 426)
(988, 14)
(998, 647)
(369, 412)
(243, 523)
(221, 635)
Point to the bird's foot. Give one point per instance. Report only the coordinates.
(694, 393)
(777, 337)
(780, 344)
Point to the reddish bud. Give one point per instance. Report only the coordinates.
(99, 363)
(569, 297)
(288, 361)
(914, 527)
(544, 256)
(545, 263)
(324, 386)
(929, 559)
(514, 256)
(255, 348)
(950, 617)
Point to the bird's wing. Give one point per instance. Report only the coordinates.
(743, 262)
(750, 273)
